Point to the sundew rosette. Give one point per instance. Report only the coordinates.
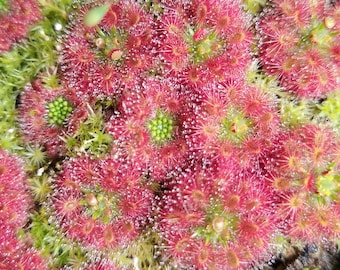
(16, 17)
(299, 43)
(15, 200)
(203, 41)
(101, 59)
(102, 204)
(17, 253)
(230, 125)
(301, 169)
(46, 115)
(215, 221)
(147, 127)
(15, 203)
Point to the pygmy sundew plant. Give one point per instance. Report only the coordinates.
(147, 127)
(203, 41)
(46, 115)
(305, 178)
(299, 44)
(216, 221)
(231, 124)
(15, 200)
(16, 16)
(99, 60)
(101, 203)
(16, 254)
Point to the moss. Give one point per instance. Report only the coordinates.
(330, 110)
(91, 136)
(52, 244)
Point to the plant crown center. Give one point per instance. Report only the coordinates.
(109, 44)
(220, 225)
(203, 44)
(100, 206)
(235, 127)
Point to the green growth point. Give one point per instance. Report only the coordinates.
(235, 126)
(203, 46)
(328, 185)
(100, 205)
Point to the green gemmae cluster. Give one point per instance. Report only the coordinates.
(58, 111)
(161, 127)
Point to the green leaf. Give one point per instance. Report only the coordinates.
(95, 15)
(96, 214)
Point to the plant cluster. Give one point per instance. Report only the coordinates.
(170, 134)
(300, 44)
(16, 17)
(15, 203)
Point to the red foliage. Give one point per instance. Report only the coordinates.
(102, 204)
(15, 200)
(203, 42)
(305, 70)
(15, 23)
(33, 117)
(201, 209)
(97, 60)
(15, 254)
